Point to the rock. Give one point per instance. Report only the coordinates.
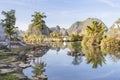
(4, 66)
(79, 26)
(23, 65)
(35, 78)
(6, 71)
(17, 69)
(34, 30)
(55, 29)
(22, 56)
(42, 77)
(20, 76)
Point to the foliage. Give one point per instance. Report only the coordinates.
(38, 22)
(8, 77)
(33, 38)
(110, 42)
(55, 34)
(75, 37)
(94, 56)
(38, 68)
(75, 52)
(94, 33)
(9, 23)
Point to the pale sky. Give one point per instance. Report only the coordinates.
(62, 12)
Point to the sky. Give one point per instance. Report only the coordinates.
(62, 12)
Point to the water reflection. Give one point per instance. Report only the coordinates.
(90, 56)
(38, 66)
(94, 56)
(113, 52)
(76, 52)
(39, 69)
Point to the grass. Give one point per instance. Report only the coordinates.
(8, 77)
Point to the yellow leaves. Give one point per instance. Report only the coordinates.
(34, 38)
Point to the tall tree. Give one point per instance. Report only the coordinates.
(95, 32)
(9, 23)
(38, 22)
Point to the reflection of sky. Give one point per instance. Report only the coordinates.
(60, 67)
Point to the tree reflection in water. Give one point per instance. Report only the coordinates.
(39, 69)
(113, 52)
(94, 56)
(76, 52)
(39, 65)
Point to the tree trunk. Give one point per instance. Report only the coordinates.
(9, 42)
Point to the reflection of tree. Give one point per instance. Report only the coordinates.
(40, 51)
(39, 69)
(57, 46)
(94, 56)
(39, 65)
(113, 52)
(76, 52)
(77, 60)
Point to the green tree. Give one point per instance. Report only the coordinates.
(94, 33)
(9, 24)
(38, 22)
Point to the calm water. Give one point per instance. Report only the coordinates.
(70, 61)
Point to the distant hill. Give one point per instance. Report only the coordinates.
(55, 29)
(116, 25)
(114, 30)
(79, 26)
(63, 31)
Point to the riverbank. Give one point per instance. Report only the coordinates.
(13, 62)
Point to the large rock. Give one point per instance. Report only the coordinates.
(6, 71)
(24, 65)
(79, 26)
(33, 30)
(55, 29)
(64, 32)
(60, 30)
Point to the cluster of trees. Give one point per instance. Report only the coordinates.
(34, 38)
(75, 37)
(36, 29)
(96, 34)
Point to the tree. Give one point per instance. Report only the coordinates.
(9, 23)
(94, 33)
(55, 34)
(38, 22)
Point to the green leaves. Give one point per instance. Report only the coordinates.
(9, 22)
(38, 20)
(94, 32)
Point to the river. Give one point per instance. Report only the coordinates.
(71, 61)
